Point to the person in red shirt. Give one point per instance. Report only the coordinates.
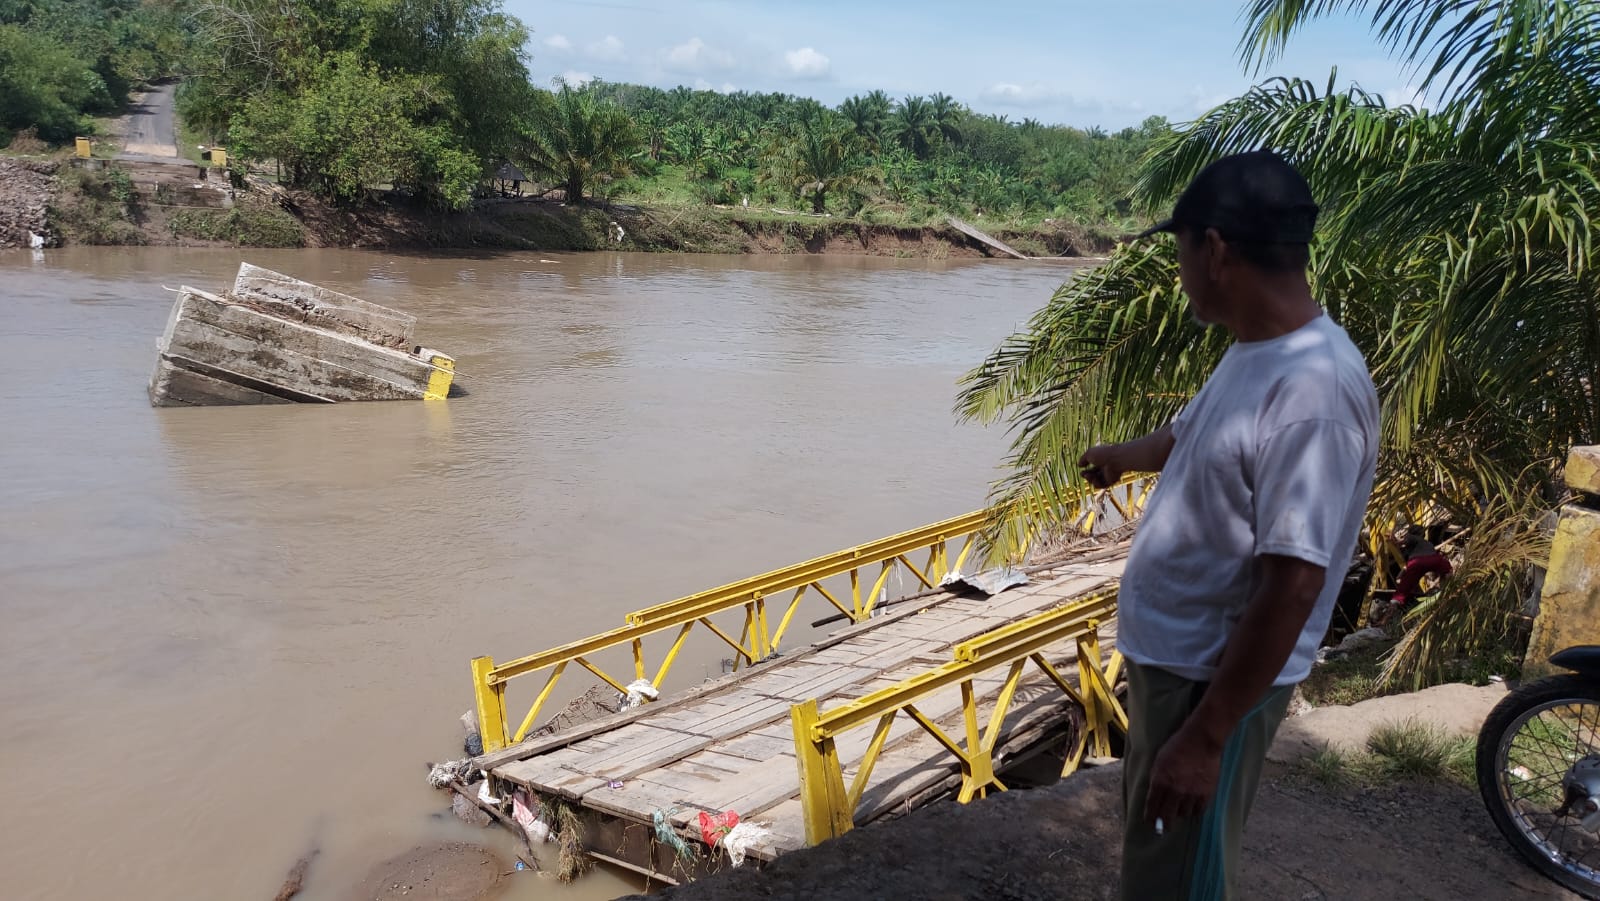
(1422, 559)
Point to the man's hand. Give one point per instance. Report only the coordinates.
(1103, 465)
(1183, 778)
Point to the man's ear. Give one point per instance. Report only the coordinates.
(1216, 250)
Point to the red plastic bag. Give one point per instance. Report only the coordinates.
(714, 826)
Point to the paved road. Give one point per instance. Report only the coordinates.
(150, 124)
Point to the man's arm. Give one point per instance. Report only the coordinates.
(1184, 776)
(1104, 465)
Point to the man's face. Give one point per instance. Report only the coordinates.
(1194, 274)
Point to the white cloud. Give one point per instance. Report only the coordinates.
(700, 84)
(574, 78)
(1409, 95)
(608, 48)
(1035, 93)
(806, 63)
(694, 55)
(558, 42)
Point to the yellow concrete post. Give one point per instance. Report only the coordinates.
(823, 799)
(490, 701)
(444, 372)
(1569, 604)
(83, 149)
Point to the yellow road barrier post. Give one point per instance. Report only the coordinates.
(822, 794)
(491, 705)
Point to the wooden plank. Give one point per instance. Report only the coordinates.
(984, 239)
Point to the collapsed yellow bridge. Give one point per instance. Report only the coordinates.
(938, 696)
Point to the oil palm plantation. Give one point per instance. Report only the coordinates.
(914, 126)
(822, 155)
(575, 140)
(1456, 246)
(869, 115)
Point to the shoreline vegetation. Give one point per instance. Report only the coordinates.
(370, 129)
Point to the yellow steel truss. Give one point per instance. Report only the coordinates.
(760, 633)
(829, 804)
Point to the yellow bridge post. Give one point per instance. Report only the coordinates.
(825, 809)
(490, 704)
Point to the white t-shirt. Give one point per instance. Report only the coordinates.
(1275, 455)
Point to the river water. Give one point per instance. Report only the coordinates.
(228, 633)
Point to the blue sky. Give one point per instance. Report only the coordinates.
(1109, 63)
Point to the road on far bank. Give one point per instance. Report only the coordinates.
(151, 129)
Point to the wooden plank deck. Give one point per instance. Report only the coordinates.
(987, 240)
(728, 743)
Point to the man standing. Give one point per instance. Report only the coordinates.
(1239, 556)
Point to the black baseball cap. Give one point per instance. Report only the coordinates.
(1254, 197)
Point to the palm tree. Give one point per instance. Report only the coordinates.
(1456, 247)
(822, 155)
(574, 140)
(914, 126)
(869, 115)
(947, 115)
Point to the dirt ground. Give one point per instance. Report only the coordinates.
(452, 871)
(1305, 842)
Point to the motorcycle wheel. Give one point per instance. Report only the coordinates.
(1526, 748)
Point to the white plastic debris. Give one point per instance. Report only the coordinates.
(483, 793)
(639, 691)
(538, 830)
(442, 774)
(741, 838)
(991, 582)
(35, 241)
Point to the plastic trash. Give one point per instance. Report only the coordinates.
(521, 866)
(639, 691)
(483, 793)
(522, 811)
(742, 837)
(714, 826)
(990, 582)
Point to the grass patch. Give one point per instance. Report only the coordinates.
(1347, 680)
(1406, 751)
(246, 226)
(96, 207)
(1329, 767)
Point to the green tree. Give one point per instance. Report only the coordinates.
(44, 85)
(822, 155)
(1456, 246)
(353, 128)
(914, 126)
(948, 116)
(575, 140)
(869, 116)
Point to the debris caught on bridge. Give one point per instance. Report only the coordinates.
(273, 339)
(990, 582)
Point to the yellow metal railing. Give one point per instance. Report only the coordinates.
(829, 804)
(761, 633)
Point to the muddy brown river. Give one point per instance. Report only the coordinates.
(228, 633)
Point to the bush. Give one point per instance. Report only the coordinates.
(45, 86)
(244, 226)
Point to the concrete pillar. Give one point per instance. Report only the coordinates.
(1569, 606)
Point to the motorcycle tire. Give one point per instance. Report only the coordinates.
(1513, 712)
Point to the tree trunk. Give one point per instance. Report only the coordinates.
(819, 201)
(574, 188)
